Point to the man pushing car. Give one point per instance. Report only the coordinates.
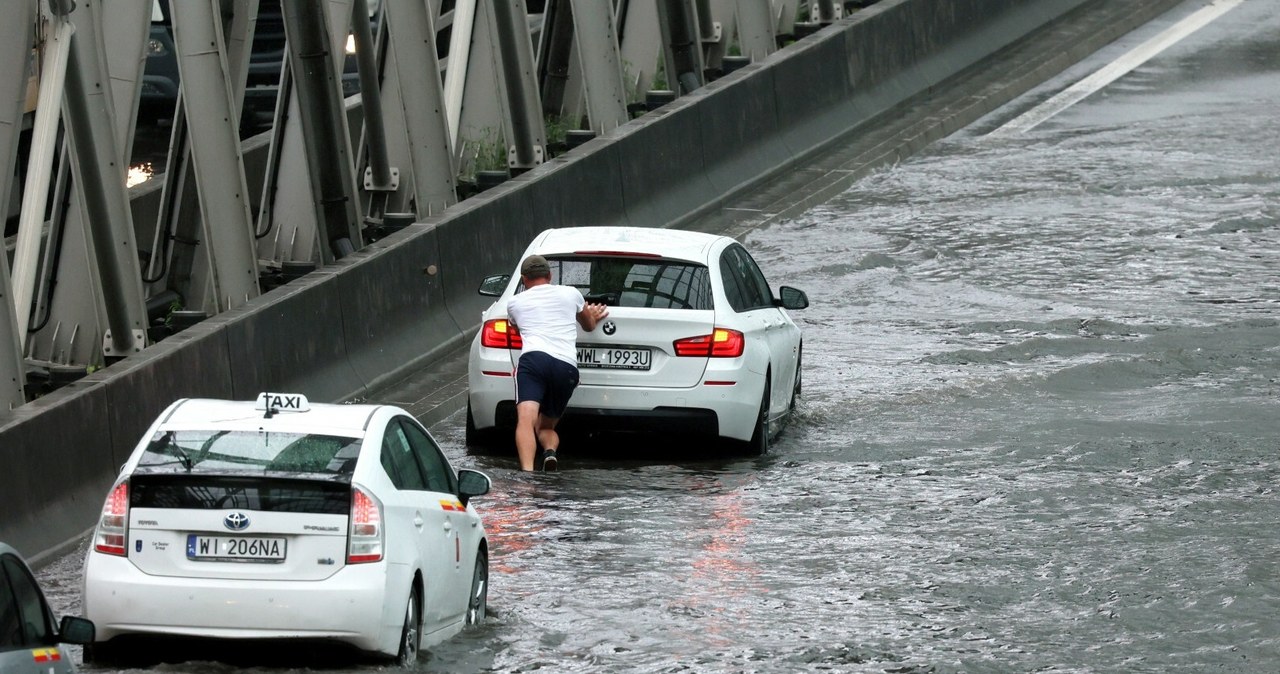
(547, 372)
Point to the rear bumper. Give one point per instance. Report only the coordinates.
(702, 410)
(727, 411)
(357, 605)
(680, 420)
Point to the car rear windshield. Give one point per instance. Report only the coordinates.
(222, 452)
(621, 281)
(214, 492)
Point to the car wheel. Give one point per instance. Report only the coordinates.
(478, 441)
(478, 604)
(411, 633)
(100, 654)
(795, 389)
(758, 445)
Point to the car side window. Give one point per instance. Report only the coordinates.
(732, 284)
(440, 475)
(24, 620)
(399, 461)
(763, 297)
(744, 285)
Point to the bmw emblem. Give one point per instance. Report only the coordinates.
(609, 328)
(236, 521)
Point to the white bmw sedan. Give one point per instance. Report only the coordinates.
(285, 520)
(695, 341)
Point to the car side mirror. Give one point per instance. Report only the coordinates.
(472, 483)
(792, 298)
(493, 286)
(75, 630)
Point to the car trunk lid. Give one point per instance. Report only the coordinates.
(238, 527)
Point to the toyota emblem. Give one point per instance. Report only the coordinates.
(609, 328)
(236, 521)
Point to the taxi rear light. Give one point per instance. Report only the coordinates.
(499, 333)
(113, 527)
(365, 535)
(721, 343)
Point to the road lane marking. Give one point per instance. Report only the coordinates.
(1114, 70)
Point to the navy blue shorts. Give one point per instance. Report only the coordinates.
(546, 379)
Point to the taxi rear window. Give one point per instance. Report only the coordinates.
(621, 281)
(222, 452)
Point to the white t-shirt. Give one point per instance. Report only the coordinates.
(547, 316)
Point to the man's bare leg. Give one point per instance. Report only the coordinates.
(527, 418)
(547, 435)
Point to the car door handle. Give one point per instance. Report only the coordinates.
(418, 521)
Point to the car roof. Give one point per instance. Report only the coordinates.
(670, 243)
(232, 415)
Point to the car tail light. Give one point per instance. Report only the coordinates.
(499, 333)
(113, 527)
(365, 536)
(721, 343)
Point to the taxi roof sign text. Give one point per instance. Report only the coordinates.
(282, 402)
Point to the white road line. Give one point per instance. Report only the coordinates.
(1114, 70)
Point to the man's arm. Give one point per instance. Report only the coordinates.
(591, 314)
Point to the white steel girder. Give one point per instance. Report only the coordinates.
(595, 42)
(209, 104)
(491, 89)
(185, 259)
(15, 54)
(300, 204)
(415, 110)
(100, 311)
(754, 29)
(640, 42)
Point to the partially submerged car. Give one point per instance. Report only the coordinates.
(285, 520)
(695, 341)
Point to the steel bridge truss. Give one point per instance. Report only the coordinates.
(447, 89)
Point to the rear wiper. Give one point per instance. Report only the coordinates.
(165, 445)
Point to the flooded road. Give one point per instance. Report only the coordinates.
(1038, 430)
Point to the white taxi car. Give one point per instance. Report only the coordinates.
(30, 639)
(695, 341)
(281, 519)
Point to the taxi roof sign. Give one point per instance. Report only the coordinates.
(281, 402)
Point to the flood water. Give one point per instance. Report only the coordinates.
(1038, 431)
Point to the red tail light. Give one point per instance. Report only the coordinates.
(365, 535)
(499, 333)
(113, 527)
(721, 343)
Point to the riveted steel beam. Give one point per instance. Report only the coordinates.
(314, 63)
(212, 118)
(595, 43)
(681, 44)
(640, 44)
(754, 29)
(414, 82)
(526, 136)
(15, 54)
(91, 120)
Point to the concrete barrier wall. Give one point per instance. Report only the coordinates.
(412, 296)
